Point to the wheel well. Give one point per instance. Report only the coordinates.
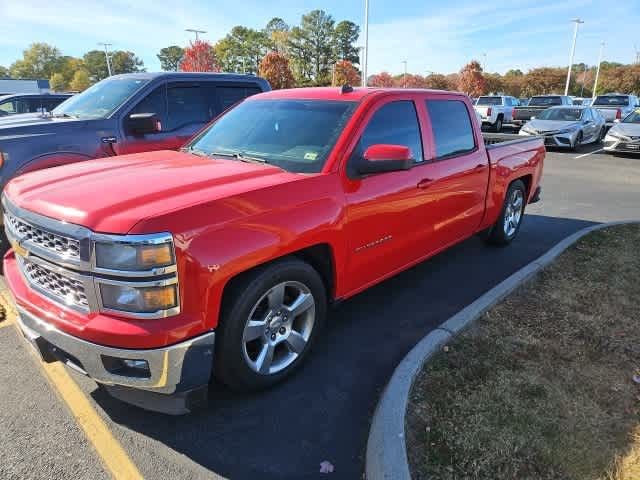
(501, 116)
(319, 256)
(527, 183)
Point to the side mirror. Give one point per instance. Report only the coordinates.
(143, 123)
(385, 158)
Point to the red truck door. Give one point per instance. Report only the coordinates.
(384, 211)
(456, 177)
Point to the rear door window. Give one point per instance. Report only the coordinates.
(188, 104)
(451, 126)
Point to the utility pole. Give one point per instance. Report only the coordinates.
(106, 54)
(193, 30)
(404, 76)
(366, 43)
(484, 65)
(595, 84)
(584, 77)
(363, 81)
(577, 21)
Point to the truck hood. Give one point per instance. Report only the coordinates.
(112, 195)
(32, 124)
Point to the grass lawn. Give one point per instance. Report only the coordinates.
(542, 386)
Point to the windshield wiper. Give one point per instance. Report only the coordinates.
(63, 115)
(239, 156)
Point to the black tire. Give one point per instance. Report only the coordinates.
(497, 234)
(602, 134)
(497, 127)
(578, 142)
(231, 366)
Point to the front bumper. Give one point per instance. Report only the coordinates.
(620, 145)
(173, 370)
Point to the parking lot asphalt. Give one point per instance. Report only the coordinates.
(323, 412)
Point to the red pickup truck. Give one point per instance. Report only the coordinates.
(155, 273)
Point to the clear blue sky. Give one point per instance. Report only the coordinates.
(439, 36)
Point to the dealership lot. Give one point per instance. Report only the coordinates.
(323, 412)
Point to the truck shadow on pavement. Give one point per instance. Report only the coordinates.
(323, 412)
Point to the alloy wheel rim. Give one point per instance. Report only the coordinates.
(513, 213)
(278, 328)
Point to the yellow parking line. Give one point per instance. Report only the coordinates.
(113, 456)
(109, 449)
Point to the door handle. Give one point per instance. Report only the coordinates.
(480, 166)
(424, 183)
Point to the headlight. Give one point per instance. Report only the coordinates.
(567, 130)
(135, 256)
(142, 299)
(614, 136)
(528, 131)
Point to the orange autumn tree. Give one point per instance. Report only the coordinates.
(382, 79)
(471, 81)
(346, 74)
(199, 57)
(274, 67)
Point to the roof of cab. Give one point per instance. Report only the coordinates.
(335, 93)
(194, 75)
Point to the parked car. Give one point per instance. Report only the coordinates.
(614, 106)
(31, 102)
(567, 126)
(119, 115)
(222, 258)
(536, 105)
(624, 136)
(496, 110)
(523, 101)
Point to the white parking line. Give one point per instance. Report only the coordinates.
(590, 153)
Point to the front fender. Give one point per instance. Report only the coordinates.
(50, 160)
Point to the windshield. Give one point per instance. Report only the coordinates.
(545, 101)
(100, 100)
(633, 117)
(562, 114)
(489, 101)
(611, 100)
(295, 135)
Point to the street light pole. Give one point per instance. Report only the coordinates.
(577, 21)
(106, 54)
(366, 43)
(193, 30)
(404, 77)
(484, 66)
(595, 84)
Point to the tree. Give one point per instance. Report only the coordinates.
(381, 80)
(471, 80)
(539, 81)
(275, 68)
(346, 34)
(40, 60)
(345, 74)
(4, 72)
(80, 81)
(242, 50)
(68, 67)
(170, 58)
(311, 48)
(436, 81)
(277, 34)
(125, 62)
(95, 63)
(199, 57)
(57, 82)
(514, 73)
(494, 82)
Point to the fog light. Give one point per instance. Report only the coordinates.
(126, 367)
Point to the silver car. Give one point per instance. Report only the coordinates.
(567, 126)
(624, 136)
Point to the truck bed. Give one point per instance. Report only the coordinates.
(492, 140)
(525, 113)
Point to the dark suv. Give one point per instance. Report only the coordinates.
(122, 114)
(30, 102)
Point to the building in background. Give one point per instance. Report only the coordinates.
(8, 86)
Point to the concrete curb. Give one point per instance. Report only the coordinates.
(386, 457)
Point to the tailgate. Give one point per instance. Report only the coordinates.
(525, 113)
(482, 111)
(609, 113)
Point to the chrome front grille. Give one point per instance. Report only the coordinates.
(53, 243)
(55, 283)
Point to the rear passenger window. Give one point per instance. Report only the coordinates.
(395, 123)
(451, 126)
(231, 95)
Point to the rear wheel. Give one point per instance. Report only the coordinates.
(498, 125)
(508, 224)
(269, 324)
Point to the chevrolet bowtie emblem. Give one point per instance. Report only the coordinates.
(19, 249)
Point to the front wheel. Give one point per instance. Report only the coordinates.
(271, 320)
(578, 141)
(508, 224)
